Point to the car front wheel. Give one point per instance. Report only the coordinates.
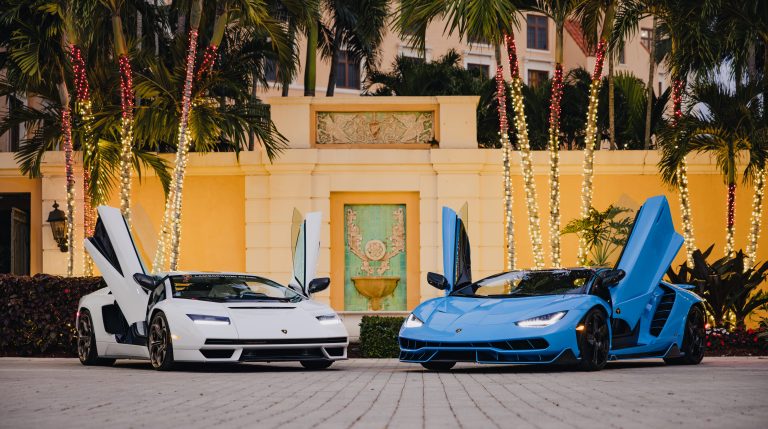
(594, 341)
(160, 344)
(86, 342)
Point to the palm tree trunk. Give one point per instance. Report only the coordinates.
(310, 64)
(729, 231)
(219, 26)
(66, 132)
(590, 140)
(651, 81)
(611, 106)
(501, 98)
(170, 233)
(83, 107)
(554, 150)
(285, 78)
(682, 175)
(126, 124)
(334, 63)
(757, 218)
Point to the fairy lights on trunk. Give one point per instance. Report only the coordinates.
(757, 217)
(83, 107)
(554, 164)
(682, 175)
(209, 60)
(590, 141)
(509, 221)
(729, 229)
(66, 131)
(526, 163)
(126, 135)
(170, 233)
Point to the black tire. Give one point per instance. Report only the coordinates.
(316, 364)
(86, 342)
(438, 366)
(694, 344)
(594, 341)
(160, 343)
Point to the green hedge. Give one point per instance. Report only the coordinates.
(378, 336)
(37, 314)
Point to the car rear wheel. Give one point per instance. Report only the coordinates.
(316, 364)
(160, 344)
(693, 339)
(86, 342)
(594, 341)
(438, 366)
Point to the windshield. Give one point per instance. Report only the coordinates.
(529, 283)
(230, 288)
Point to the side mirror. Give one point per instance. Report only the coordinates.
(611, 278)
(147, 282)
(318, 284)
(437, 281)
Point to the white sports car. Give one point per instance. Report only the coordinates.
(202, 316)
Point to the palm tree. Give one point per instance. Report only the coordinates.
(357, 25)
(493, 21)
(559, 11)
(593, 14)
(722, 122)
(756, 173)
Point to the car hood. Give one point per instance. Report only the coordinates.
(446, 313)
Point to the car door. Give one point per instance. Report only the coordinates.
(305, 239)
(456, 252)
(114, 251)
(650, 249)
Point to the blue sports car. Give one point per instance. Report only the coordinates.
(580, 316)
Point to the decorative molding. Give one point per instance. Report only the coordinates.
(375, 128)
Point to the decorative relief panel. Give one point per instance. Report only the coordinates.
(375, 127)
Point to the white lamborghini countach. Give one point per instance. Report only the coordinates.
(203, 316)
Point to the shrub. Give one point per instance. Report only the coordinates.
(740, 342)
(37, 314)
(378, 336)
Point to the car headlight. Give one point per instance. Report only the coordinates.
(541, 321)
(413, 322)
(328, 319)
(203, 319)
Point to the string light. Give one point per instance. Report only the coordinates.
(66, 130)
(126, 135)
(590, 141)
(526, 164)
(682, 175)
(554, 164)
(170, 232)
(209, 60)
(729, 229)
(757, 217)
(509, 221)
(84, 108)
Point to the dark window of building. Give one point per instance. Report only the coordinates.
(484, 70)
(622, 58)
(537, 77)
(270, 69)
(659, 94)
(646, 36)
(477, 40)
(14, 233)
(347, 71)
(537, 32)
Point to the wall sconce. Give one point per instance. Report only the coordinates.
(58, 221)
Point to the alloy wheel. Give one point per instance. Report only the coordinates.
(158, 341)
(84, 334)
(594, 341)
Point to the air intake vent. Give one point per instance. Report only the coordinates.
(661, 314)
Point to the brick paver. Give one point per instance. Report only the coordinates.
(361, 393)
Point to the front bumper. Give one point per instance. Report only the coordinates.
(265, 350)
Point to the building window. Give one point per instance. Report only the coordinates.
(14, 134)
(659, 94)
(537, 77)
(482, 69)
(646, 37)
(622, 59)
(477, 40)
(347, 71)
(538, 32)
(270, 70)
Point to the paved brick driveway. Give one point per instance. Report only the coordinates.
(722, 392)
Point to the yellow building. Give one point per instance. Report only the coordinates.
(368, 167)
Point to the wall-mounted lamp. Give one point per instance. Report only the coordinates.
(58, 221)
